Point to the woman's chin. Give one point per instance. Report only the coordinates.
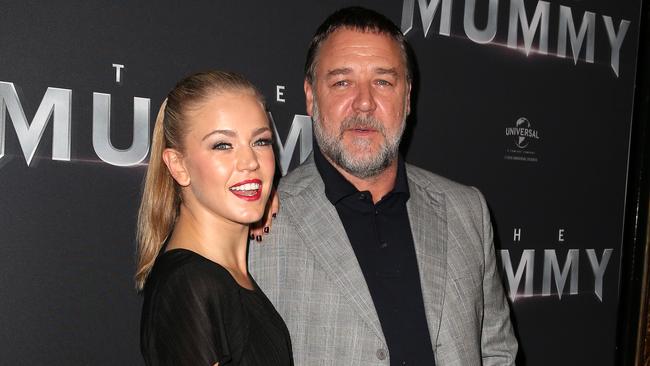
(250, 218)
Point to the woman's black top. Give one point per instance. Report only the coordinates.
(195, 313)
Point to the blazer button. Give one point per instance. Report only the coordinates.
(381, 354)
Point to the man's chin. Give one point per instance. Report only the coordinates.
(361, 158)
(362, 149)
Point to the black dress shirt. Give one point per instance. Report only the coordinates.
(381, 238)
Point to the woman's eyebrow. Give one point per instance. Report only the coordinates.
(261, 130)
(228, 133)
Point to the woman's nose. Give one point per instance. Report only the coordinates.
(247, 159)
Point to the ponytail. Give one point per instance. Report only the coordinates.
(159, 206)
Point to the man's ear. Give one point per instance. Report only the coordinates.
(309, 97)
(174, 161)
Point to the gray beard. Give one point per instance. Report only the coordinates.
(368, 166)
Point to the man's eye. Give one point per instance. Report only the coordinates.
(221, 146)
(263, 142)
(384, 83)
(341, 83)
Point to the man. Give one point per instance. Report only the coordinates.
(372, 261)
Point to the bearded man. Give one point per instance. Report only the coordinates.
(373, 261)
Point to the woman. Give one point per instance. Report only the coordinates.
(209, 177)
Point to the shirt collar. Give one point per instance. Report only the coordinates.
(337, 187)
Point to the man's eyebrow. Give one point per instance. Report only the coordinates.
(384, 71)
(339, 71)
(228, 133)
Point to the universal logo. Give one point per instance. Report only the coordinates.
(523, 136)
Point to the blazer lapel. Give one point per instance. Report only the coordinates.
(321, 229)
(426, 211)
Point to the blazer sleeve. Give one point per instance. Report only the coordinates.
(187, 324)
(498, 342)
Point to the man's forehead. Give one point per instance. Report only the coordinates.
(350, 37)
(344, 47)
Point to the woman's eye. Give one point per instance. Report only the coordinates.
(221, 146)
(263, 142)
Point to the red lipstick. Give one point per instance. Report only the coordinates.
(248, 190)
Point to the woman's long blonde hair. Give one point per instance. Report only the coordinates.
(161, 197)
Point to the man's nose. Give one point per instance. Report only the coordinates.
(247, 159)
(364, 101)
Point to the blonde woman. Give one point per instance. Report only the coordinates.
(209, 177)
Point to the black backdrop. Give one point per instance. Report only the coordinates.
(67, 224)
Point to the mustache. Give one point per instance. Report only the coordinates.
(361, 122)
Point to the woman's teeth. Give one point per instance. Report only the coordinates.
(246, 187)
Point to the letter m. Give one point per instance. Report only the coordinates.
(300, 128)
(540, 20)
(426, 14)
(55, 102)
(552, 269)
(526, 264)
(587, 28)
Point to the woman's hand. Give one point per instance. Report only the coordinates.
(263, 227)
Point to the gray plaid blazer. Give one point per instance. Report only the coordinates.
(307, 268)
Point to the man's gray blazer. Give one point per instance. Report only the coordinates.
(307, 268)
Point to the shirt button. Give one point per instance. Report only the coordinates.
(383, 245)
(381, 354)
(362, 196)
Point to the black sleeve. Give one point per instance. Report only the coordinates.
(186, 322)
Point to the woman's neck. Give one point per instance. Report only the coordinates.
(213, 237)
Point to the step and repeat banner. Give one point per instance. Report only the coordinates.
(530, 101)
